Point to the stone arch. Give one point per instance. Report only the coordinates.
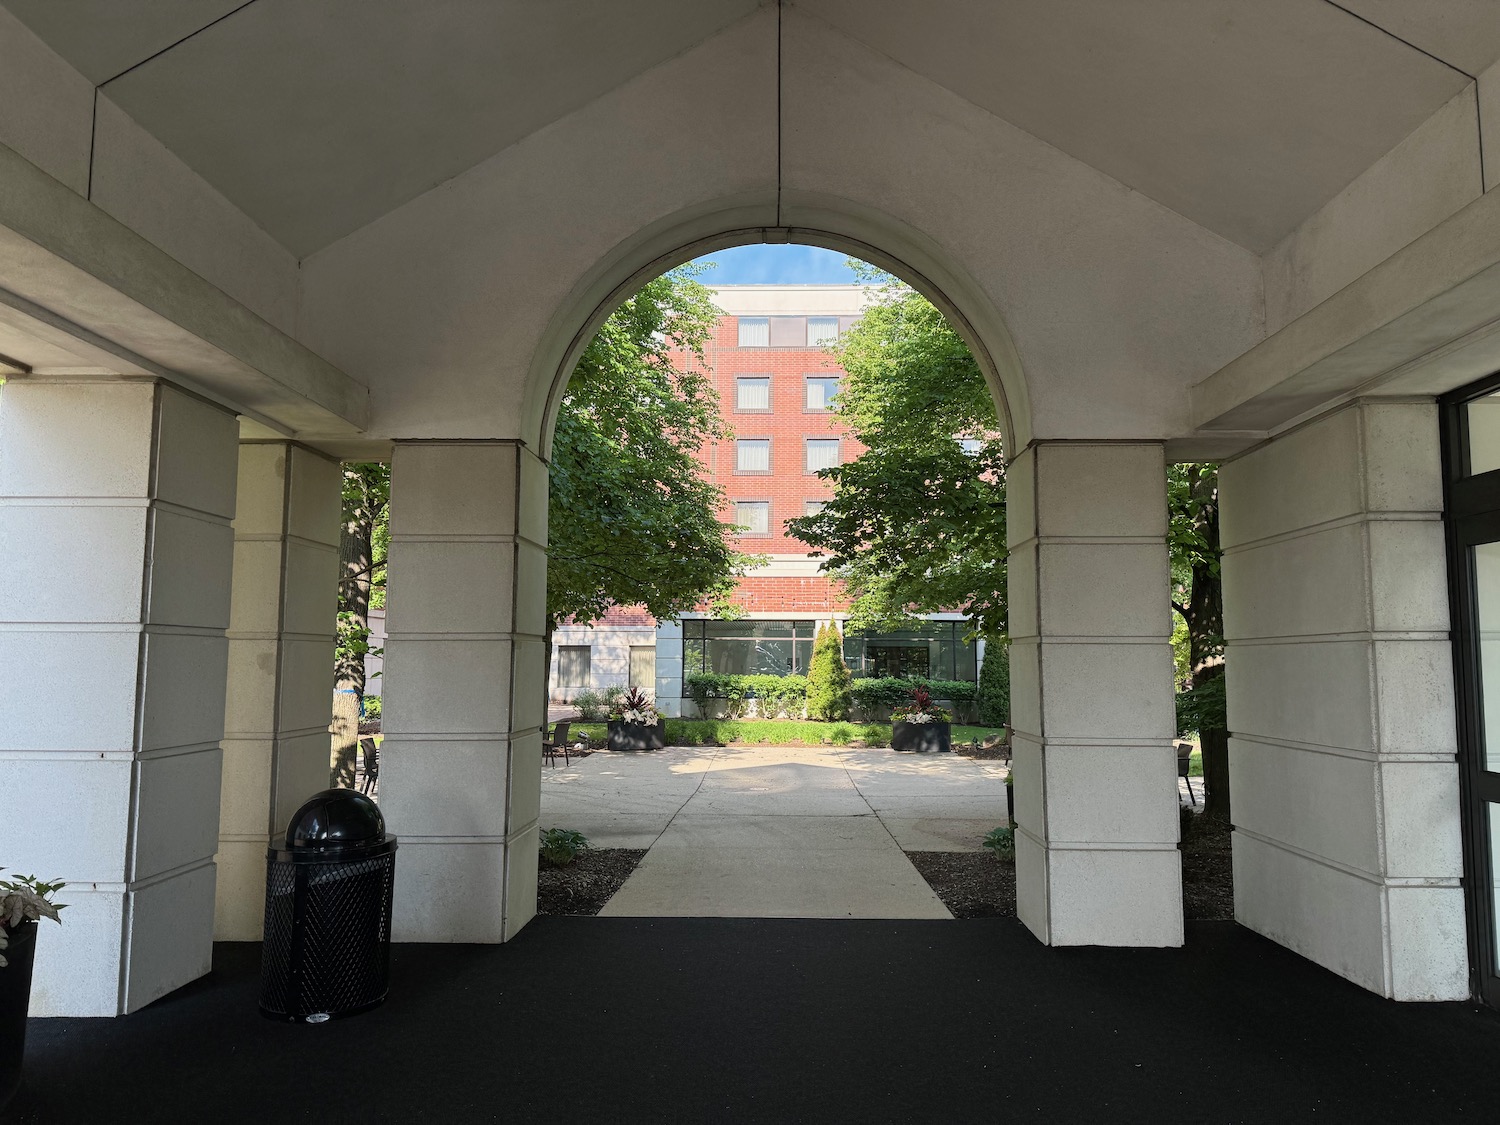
(831, 224)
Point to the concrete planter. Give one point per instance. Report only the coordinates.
(15, 998)
(922, 738)
(637, 736)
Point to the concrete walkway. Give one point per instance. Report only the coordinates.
(776, 832)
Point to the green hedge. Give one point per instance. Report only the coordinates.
(786, 696)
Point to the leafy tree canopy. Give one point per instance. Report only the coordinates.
(917, 522)
(632, 520)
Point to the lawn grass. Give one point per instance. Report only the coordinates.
(779, 732)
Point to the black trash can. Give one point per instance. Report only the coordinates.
(328, 911)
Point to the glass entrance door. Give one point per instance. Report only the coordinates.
(1471, 438)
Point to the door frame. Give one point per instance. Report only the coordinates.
(1471, 516)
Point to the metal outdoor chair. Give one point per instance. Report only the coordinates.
(1184, 762)
(371, 755)
(558, 741)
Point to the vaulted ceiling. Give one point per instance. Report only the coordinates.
(316, 117)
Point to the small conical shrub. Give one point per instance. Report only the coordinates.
(830, 684)
(992, 701)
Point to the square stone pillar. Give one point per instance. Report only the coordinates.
(282, 624)
(465, 680)
(115, 508)
(1092, 695)
(1342, 754)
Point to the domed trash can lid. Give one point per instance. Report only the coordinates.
(335, 820)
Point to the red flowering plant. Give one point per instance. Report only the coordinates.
(921, 709)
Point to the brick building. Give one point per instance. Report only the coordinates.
(776, 384)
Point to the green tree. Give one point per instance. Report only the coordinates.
(917, 520)
(633, 519)
(992, 701)
(830, 684)
(1198, 596)
(362, 553)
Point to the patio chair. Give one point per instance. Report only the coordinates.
(371, 755)
(558, 741)
(1184, 762)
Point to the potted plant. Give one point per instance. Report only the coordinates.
(920, 725)
(23, 901)
(635, 725)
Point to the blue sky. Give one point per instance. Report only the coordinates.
(776, 265)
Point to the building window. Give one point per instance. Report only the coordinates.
(752, 392)
(813, 507)
(752, 455)
(970, 445)
(821, 391)
(573, 667)
(643, 667)
(822, 453)
(822, 331)
(754, 516)
(755, 332)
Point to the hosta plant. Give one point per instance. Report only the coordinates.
(561, 846)
(25, 899)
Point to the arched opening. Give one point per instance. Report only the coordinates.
(737, 684)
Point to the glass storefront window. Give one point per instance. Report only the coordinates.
(748, 646)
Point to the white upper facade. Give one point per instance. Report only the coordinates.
(792, 300)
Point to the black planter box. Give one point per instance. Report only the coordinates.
(15, 998)
(637, 736)
(922, 738)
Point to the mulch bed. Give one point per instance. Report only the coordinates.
(586, 884)
(977, 885)
(971, 884)
(1207, 870)
(997, 752)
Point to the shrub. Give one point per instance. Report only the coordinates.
(872, 694)
(561, 846)
(612, 696)
(1001, 842)
(830, 693)
(841, 734)
(994, 685)
(590, 706)
(371, 707)
(874, 734)
(774, 697)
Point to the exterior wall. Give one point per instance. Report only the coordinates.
(611, 642)
(115, 508)
(1091, 695)
(1341, 704)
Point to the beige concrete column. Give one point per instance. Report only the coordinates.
(463, 686)
(1091, 695)
(1343, 749)
(115, 508)
(281, 637)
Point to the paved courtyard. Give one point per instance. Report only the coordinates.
(763, 831)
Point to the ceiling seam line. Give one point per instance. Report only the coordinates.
(88, 191)
(780, 5)
(1479, 135)
(1398, 39)
(171, 46)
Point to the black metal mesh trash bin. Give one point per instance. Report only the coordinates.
(328, 911)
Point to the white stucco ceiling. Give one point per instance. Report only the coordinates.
(316, 117)
(1244, 117)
